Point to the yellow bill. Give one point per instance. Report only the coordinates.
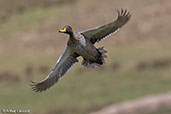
(62, 30)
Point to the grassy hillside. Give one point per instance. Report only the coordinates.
(138, 63)
(86, 90)
(37, 27)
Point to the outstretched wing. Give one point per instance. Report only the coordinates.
(64, 63)
(104, 31)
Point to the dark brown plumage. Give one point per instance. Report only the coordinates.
(82, 44)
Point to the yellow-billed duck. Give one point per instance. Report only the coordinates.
(82, 44)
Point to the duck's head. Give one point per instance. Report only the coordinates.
(67, 30)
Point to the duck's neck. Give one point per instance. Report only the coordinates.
(72, 40)
(71, 36)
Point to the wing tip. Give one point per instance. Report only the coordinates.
(124, 13)
(38, 87)
(34, 87)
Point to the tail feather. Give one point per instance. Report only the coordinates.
(102, 51)
(87, 64)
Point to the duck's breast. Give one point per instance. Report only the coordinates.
(85, 48)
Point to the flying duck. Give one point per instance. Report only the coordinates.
(82, 44)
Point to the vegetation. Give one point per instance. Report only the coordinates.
(138, 62)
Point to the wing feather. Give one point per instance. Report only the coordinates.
(64, 63)
(98, 33)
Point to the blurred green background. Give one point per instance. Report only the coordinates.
(138, 63)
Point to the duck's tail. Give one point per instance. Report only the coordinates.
(101, 60)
